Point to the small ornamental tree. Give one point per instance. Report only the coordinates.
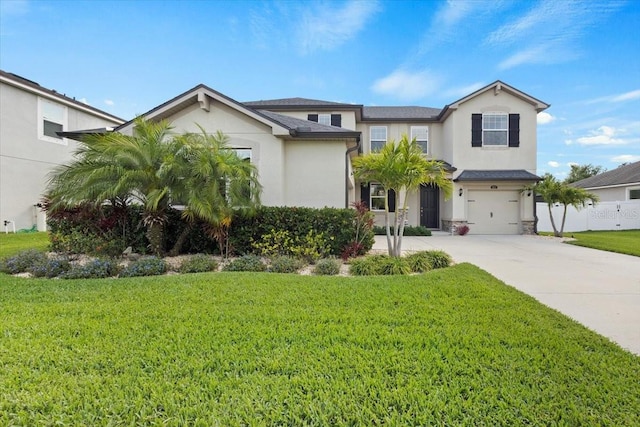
(403, 168)
(553, 191)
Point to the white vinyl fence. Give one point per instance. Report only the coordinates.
(602, 216)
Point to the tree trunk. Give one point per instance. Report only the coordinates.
(155, 232)
(182, 238)
(553, 224)
(564, 217)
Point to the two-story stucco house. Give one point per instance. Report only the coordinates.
(30, 118)
(303, 150)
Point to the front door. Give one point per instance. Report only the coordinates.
(429, 197)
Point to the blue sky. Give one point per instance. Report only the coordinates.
(126, 57)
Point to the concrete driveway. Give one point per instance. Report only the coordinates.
(599, 289)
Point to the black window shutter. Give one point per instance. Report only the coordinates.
(312, 118)
(364, 194)
(514, 130)
(391, 197)
(336, 120)
(476, 130)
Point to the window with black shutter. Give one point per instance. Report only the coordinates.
(336, 120)
(312, 118)
(514, 130)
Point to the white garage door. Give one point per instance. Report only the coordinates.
(493, 212)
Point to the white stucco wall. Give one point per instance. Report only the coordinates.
(614, 194)
(488, 158)
(25, 159)
(315, 173)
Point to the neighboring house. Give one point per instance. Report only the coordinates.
(30, 117)
(617, 185)
(303, 149)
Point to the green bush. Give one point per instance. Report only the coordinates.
(94, 269)
(274, 243)
(199, 263)
(108, 230)
(439, 259)
(52, 267)
(409, 230)
(149, 266)
(340, 224)
(366, 266)
(22, 261)
(285, 264)
(246, 263)
(420, 262)
(392, 266)
(327, 267)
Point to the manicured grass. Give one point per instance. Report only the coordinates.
(11, 243)
(624, 242)
(451, 347)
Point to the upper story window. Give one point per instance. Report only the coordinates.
(378, 138)
(377, 197)
(326, 119)
(52, 118)
(421, 134)
(634, 194)
(495, 129)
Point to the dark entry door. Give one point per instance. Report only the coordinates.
(429, 206)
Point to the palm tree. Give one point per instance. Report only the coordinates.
(553, 191)
(124, 167)
(401, 168)
(213, 183)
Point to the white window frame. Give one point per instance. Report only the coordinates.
(492, 128)
(377, 192)
(417, 132)
(377, 140)
(46, 111)
(629, 190)
(324, 119)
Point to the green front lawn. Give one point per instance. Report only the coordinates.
(450, 347)
(12, 243)
(624, 242)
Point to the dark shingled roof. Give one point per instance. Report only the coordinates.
(390, 113)
(622, 175)
(497, 175)
(307, 127)
(296, 102)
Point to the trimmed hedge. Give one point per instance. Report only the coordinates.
(409, 230)
(109, 230)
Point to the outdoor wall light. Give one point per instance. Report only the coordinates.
(529, 194)
(460, 192)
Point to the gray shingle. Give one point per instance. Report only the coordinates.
(497, 175)
(622, 175)
(295, 102)
(411, 112)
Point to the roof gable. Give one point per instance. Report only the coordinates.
(628, 174)
(498, 87)
(204, 96)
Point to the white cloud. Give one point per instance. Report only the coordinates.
(326, 28)
(109, 102)
(464, 90)
(548, 32)
(626, 158)
(622, 97)
(628, 96)
(604, 135)
(544, 118)
(14, 7)
(84, 101)
(553, 164)
(407, 86)
(568, 141)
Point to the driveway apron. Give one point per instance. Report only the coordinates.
(599, 289)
